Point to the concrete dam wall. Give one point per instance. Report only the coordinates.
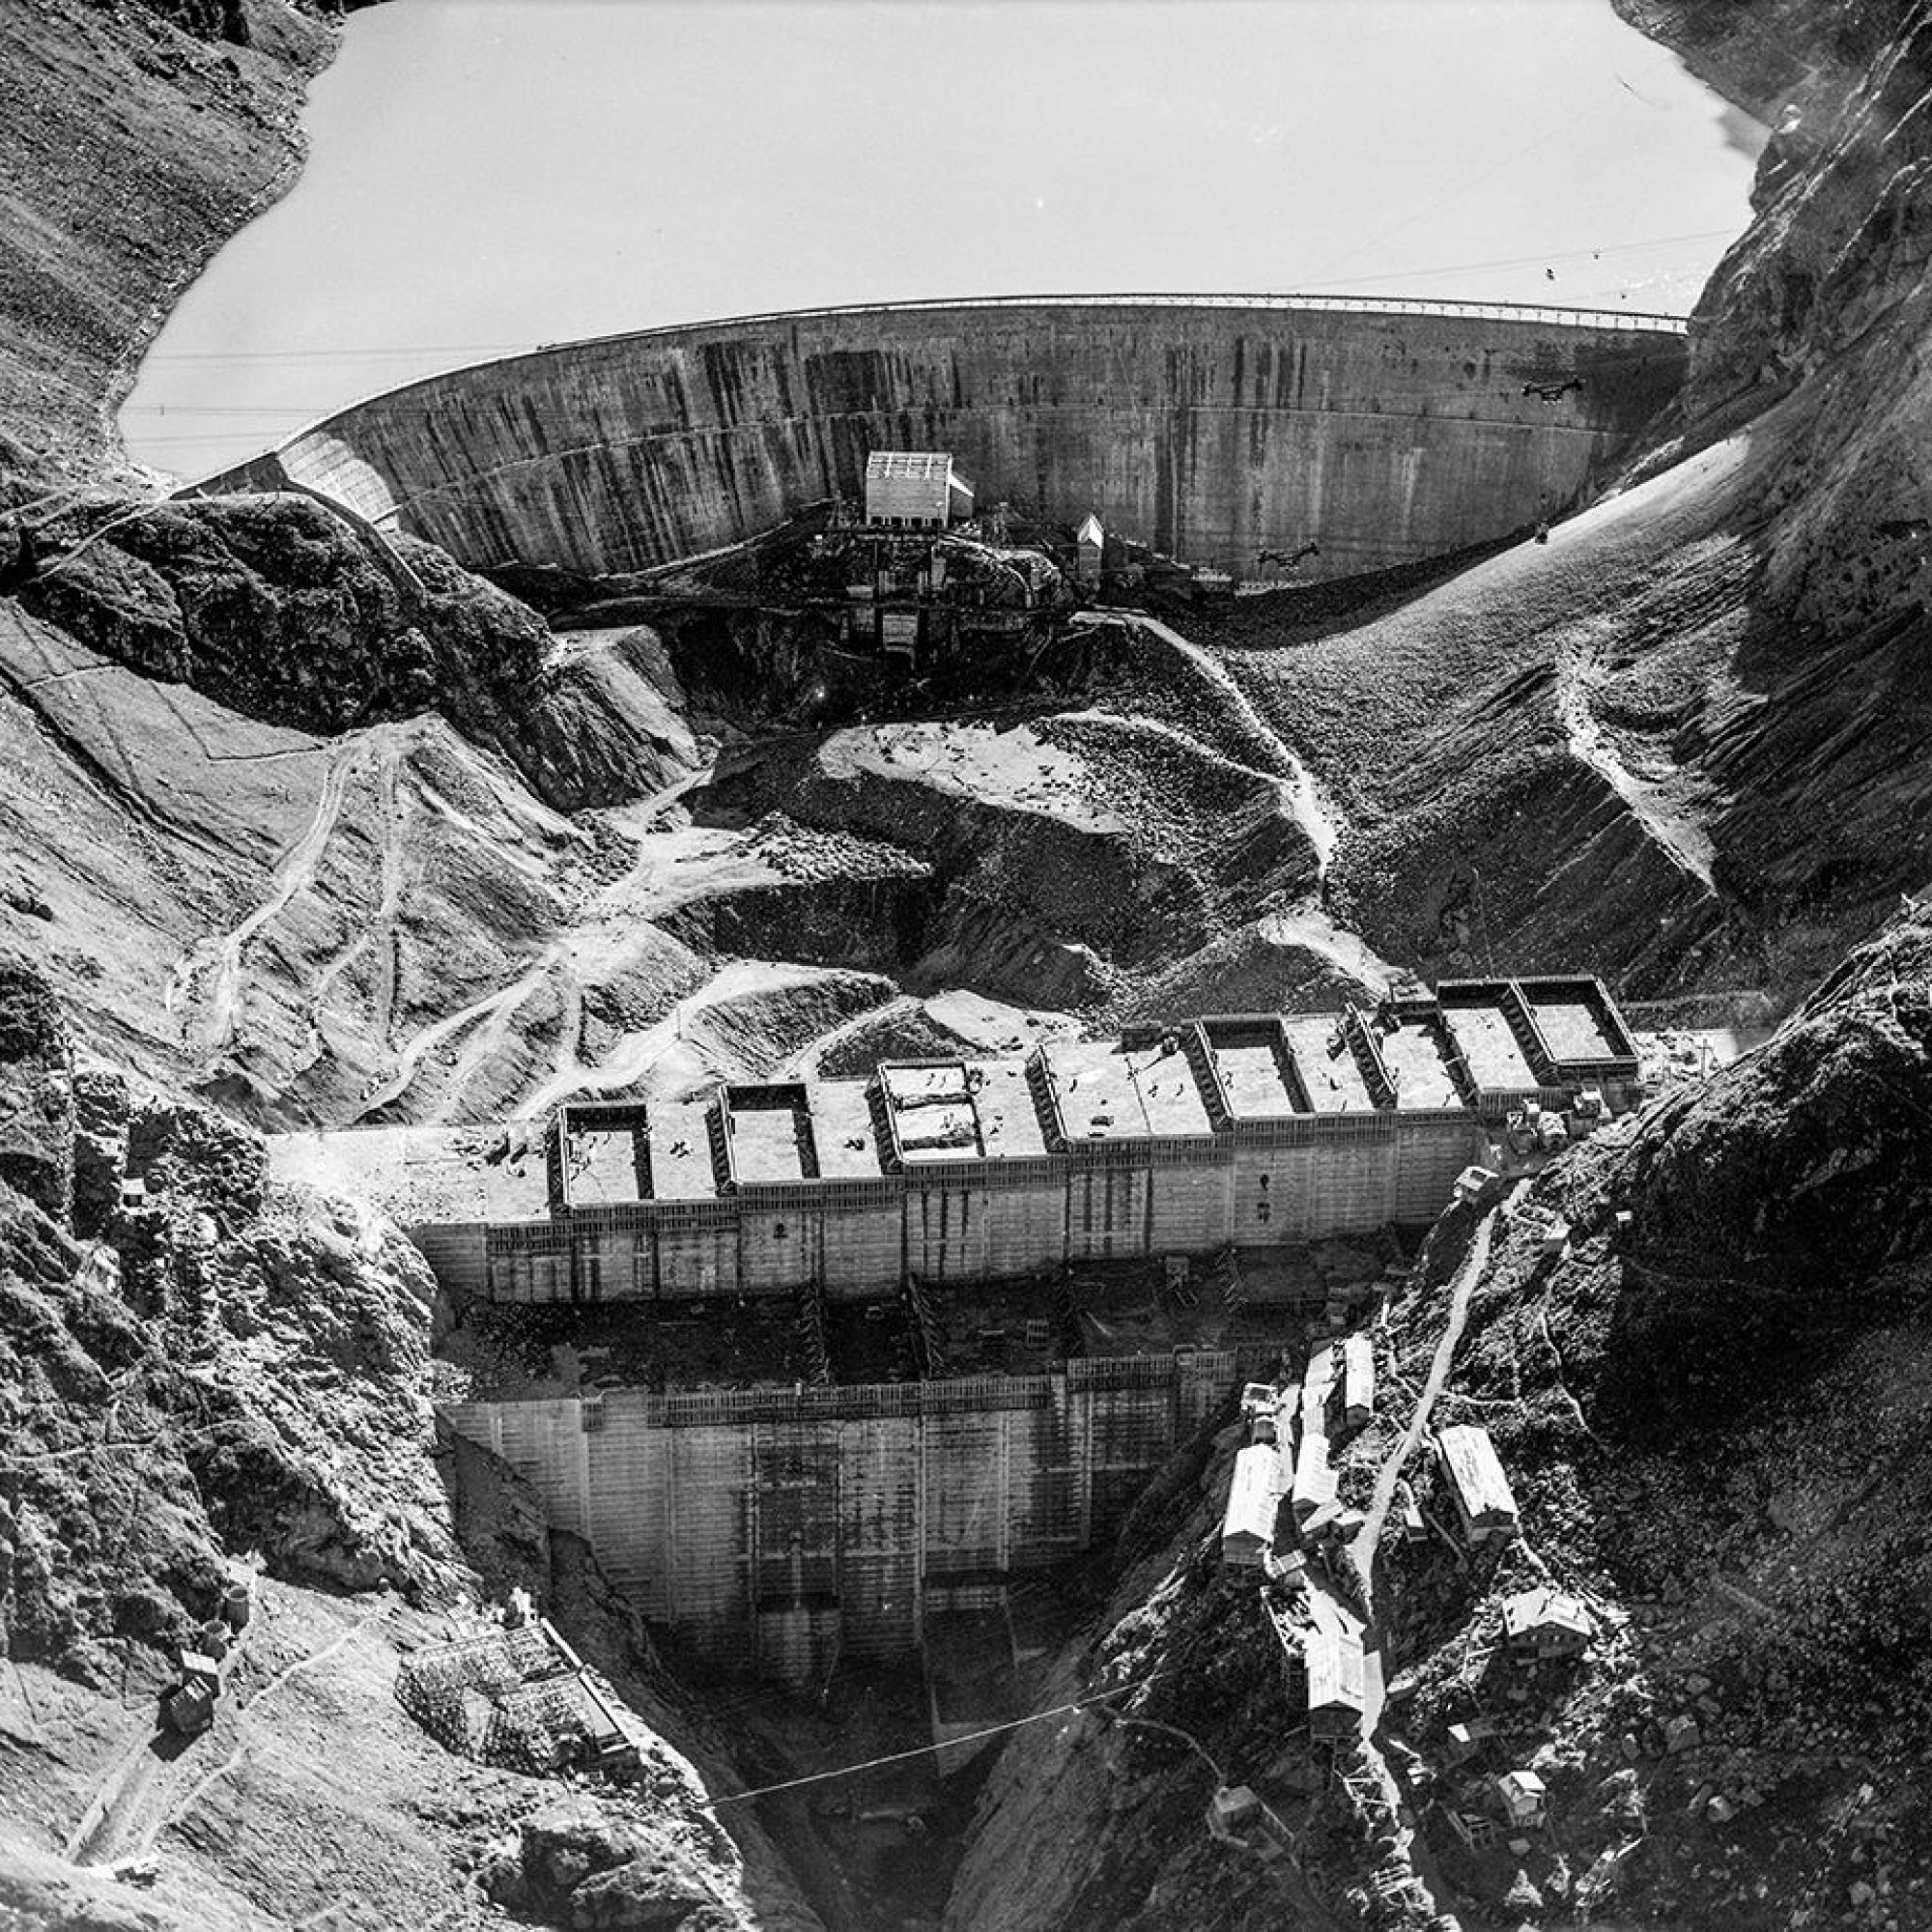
(1212, 427)
(776, 1529)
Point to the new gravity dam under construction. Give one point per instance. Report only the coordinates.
(858, 1378)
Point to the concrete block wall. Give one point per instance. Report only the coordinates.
(458, 1252)
(1190, 1209)
(864, 1250)
(1432, 1154)
(1106, 1211)
(965, 1459)
(615, 1264)
(705, 1558)
(778, 1247)
(946, 1232)
(1207, 428)
(1026, 1226)
(799, 1643)
(1314, 1179)
(696, 1257)
(1352, 1182)
(793, 1532)
(627, 1506)
(881, 1531)
(718, 1514)
(1278, 1179)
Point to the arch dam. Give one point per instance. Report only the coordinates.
(1211, 427)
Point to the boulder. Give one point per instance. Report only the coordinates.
(581, 1867)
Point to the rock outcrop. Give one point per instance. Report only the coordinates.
(143, 135)
(289, 615)
(1682, 736)
(204, 1377)
(1714, 1414)
(214, 1370)
(1840, 242)
(36, 1105)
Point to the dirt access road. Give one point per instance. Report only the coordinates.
(162, 1777)
(1333, 1613)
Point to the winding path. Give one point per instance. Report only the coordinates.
(495, 1005)
(638, 1052)
(1306, 923)
(1300, 794)
(805, 1063)
(295, 870)
(1367, 1543)
(172, 1814)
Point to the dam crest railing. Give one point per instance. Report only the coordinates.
(1631, 321)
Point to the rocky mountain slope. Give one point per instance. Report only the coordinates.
(322, 828)
(1713, 1406)
(204, 1379)
(1686, 731)
(142, 136)
(409, 854)
(309, 827)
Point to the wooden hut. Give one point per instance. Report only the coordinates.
(1545, 1623)
(1314, 1485)
(1473, 1475)
(1254, 1498)
(1335, 1683)
(1522, 1797)
(1357, 1381)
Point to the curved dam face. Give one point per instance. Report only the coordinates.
(1212, 429)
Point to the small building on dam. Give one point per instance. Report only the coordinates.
(909, 1335)
(1356, 433)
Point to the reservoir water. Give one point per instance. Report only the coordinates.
(488, 175)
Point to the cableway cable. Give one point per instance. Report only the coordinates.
(925, 1751)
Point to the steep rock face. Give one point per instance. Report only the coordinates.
(223, 1370)
(281, 611)
(1782, 1207)
(1098, 1820)
(575, 1864)
(145, 135)
(1826, 294)
(1716, 1419)
(1840, 239)
(1682, 736)
(37, 1110)
(224, 1378)
(1809, 1163)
